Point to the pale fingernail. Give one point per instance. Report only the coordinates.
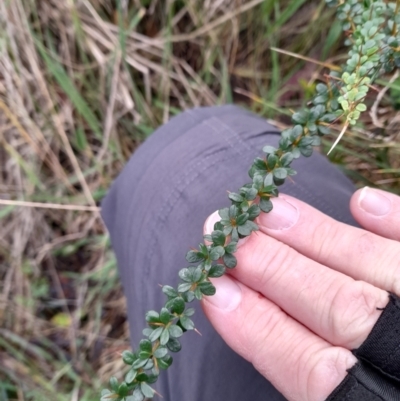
(283, 215)
(211, 220)
(374, 202)
(228, 295)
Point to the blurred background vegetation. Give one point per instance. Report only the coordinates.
(82, 84)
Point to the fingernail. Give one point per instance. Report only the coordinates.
(228, 295)
(283, 215)
(374, 202)
(211, 220)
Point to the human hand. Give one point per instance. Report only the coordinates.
(307, 290)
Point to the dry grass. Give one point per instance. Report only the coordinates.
(82, 83)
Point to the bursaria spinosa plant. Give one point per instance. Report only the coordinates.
(373, 37)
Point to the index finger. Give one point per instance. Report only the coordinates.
(353, 251)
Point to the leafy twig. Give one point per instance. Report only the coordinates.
(372, 34)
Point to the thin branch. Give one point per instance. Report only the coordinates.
(50, 205)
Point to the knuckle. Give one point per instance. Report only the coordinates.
(261, 330)
(366, 244)
(269, 264)
(326, 368)
(324, 238)
(353, 312)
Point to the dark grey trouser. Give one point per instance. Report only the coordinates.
(155, 211)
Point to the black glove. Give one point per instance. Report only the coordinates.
(376, 377)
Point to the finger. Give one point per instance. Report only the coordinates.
(377, 211)
(331, 304)
(350, 250)
(302, 366)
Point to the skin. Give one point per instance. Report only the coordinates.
(308, 289)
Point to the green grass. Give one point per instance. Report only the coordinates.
(82, 84)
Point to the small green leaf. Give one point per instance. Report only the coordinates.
(269, 180)
(259, 164)
(286, 159)
(165, 316)
(152, 316)
(300, 117)
(280, 173)
(242, 219)
(175, 331)
(169, 291)
(229, 260)
(136, 396)
(184, 275)
(321, 99)
(198, 294)
(144, 355)
(235, 197)
(194, 256)
(231, 247)
(146, 390)
(156, 334)
(216, 271)
(207, 288)
(269, 150)
(227, 230)
(183, 287)
(244, 230)
(271, 161)
(195, 274)
(107, 395)
(316, 141)
(164, 338)
(186, 323)
(306, 151)
(128, 357)
(224, 213)
(233, 212)
(296, 153)
(251, 194)
(177, 305)
(296, 131)
(130, 376)
(266, 205)
(317, 112)
(361, 107)
(217, 252)
(142, 377)
(258, 181)
(218, 238)
(160, 352)
(344, 104)
(324, 130)
(139, 363)
(174, 345)
(306, 141)
(114, 383)
(145, 345)
(189, 312)
(147, 331)
(123, 390)
(189, 296)
(166, 362)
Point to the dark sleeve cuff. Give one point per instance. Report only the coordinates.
(364, 383)
(376, 377)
